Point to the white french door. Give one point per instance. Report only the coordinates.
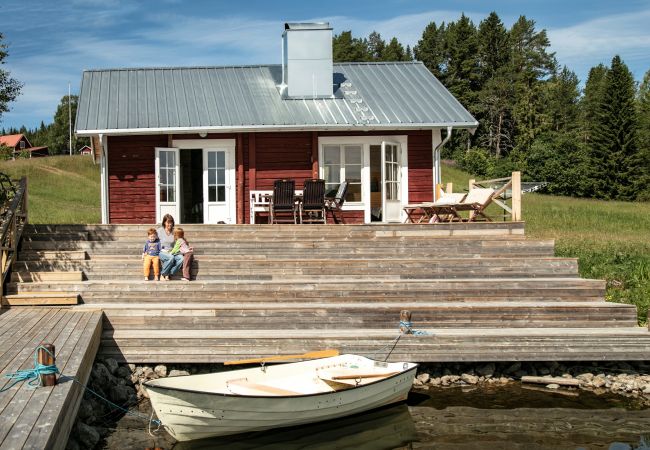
(391, 181)
(167, 182)
(218, 183)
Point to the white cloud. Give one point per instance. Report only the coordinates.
(589, 43)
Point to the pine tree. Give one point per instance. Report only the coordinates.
(345, 48)
(394, 51)
(589, 102)
(493, 47)
(462, 74)
(530, 65)
(376, 46)
(613, 150)
(642, 182)
(409, 54)
(430, 49)
(562, 93)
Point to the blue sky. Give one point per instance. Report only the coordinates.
(51, 42)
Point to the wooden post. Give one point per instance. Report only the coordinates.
(450, 188)
(438, 190)
(240, 178)
(516, 196)
(47, 359)
(471, 184)
(314, 154)
(404, 316)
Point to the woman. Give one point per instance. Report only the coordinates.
(170, 263)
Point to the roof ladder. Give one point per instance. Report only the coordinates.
(363, 113)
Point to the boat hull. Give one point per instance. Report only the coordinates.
(189, 415)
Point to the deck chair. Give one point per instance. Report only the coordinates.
(312, 207)
(475, 202)
(335, 204)
(283, 203)
(438, 211)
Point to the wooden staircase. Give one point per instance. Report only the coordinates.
(483, 290)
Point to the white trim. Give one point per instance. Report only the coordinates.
(366, 142)
(203, 143)
(271, 128)
(177, 182)
(103, 182)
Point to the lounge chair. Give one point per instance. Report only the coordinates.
(283, 204)
(335, 204)
(312, 207)
(432, 211)
(475, 202)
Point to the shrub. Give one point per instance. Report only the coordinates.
(477, 161)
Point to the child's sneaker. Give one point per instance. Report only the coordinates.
(146, 278)
(166, 277)
(157, 278)
(185, 279)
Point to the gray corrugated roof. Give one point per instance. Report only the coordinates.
(368, 95)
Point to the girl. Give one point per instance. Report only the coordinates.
(182, 247)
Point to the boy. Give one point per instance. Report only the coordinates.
(151, 254)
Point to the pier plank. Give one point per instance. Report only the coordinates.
(41, 418)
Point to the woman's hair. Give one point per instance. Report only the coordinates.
(167, 218)
(179, 233)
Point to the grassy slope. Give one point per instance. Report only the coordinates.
(610, 239)
(61, 189)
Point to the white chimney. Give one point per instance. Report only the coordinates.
(307, 70)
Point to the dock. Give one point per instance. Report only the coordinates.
(41, 418)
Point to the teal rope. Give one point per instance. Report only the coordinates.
(39, 369)
(33, 375)
(409, 326)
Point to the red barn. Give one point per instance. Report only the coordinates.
(196, 142)
(19, 143)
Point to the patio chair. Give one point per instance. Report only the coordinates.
(312, 207)
(475, 202)
(283, 203)
(335, 204)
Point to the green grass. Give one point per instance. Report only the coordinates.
(610, 239)
(61, 189)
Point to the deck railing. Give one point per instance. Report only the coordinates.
(13, 220)
(504, 189)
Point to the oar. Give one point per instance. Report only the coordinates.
(308, 355)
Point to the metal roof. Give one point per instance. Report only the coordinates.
(394, 95)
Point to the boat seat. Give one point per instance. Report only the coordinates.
(249, 388)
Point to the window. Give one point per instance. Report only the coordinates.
(22, 145)
(343, 162)
(216, 176)
(167, 186)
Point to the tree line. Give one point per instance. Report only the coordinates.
(533, 115)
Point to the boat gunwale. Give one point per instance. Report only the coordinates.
(220, 394)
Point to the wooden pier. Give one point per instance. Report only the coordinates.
(42, 418)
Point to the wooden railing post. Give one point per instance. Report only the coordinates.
(450, 187)
(471, 184)
(516, 196)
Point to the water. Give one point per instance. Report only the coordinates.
(510, 417)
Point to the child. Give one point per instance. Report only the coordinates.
(151, 255)
(183, 247)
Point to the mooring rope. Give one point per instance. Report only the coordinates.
(33, 375)
(39, 369)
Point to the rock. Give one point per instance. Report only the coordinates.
(424, 377)
(512, 368)
(178, 373)
(586, 377)
(469, 379)
(445, 380)
(111, 365)
(85, 435)
(101, 375)
(625, 366)
(148, 373)
(123, 372)
(121, 394)
(85, 411)
(132, 367)
(553, 386)
(160, 370)
(435, 381)
(72, 445)
(646, 389)
(486, 370)
(542, 371)
(520, 373)
(598, 381)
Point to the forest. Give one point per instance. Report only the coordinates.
(586, 140)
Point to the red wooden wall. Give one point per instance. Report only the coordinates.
(265, 157)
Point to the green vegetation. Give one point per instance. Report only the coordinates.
(61, 189)
(609, 238)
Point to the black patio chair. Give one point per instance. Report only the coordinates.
(283, 203)
(335, 204)
(312, 207)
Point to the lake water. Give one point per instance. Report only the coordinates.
(506, 417)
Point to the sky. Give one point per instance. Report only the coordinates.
(50, 42)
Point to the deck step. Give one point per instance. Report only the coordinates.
(26, 277)
(40, 299)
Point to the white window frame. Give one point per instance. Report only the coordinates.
(366, 142)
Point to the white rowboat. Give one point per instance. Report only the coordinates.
(261, 398)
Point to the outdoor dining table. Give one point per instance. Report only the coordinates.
(418, 212)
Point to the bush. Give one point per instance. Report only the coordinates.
(477, 161)
(6, 153)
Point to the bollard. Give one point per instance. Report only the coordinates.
(404, 317)
(47, 359)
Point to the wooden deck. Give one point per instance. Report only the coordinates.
(42, 418)
(485, 291)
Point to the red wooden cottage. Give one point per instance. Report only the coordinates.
(196, 142)
(19, 143)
